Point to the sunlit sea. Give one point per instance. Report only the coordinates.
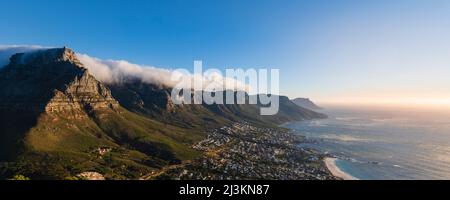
(377, 143)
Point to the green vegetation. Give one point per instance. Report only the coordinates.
(72, 178)
(19, 178)
(59, 147)
(58, 121)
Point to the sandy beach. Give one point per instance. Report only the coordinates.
(331, 165)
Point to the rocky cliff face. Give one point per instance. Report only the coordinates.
(155, 102)
(51, 80)
(54, 115)
(143, 97)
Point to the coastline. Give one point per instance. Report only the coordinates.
(330, 163)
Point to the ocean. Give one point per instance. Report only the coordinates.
(378, 143)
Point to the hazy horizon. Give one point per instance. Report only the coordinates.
(338, 52)
(389, 103)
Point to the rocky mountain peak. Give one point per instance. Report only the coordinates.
(45, 56)
(51, 80)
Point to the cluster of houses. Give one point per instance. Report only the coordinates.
(244, 151)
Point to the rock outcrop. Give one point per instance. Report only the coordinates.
(56, 119)
(91, 176)
(51, 80)
(54, 115)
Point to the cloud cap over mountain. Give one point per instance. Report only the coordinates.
(117, 71)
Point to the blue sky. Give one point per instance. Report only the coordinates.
(331, 51)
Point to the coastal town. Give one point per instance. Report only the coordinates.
(244, 151)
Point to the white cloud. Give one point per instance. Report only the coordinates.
(6, 51)
(117, 71)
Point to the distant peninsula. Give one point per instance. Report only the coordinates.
(306, 103)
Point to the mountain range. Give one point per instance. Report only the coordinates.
(306, 103)
(57, 120)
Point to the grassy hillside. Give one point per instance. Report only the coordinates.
(57, 121)
(60, 146)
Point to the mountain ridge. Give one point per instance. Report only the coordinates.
(306, 103)
(55, 116)
(51, 107)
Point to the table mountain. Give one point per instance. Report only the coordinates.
(55, 116)
(57, 121)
